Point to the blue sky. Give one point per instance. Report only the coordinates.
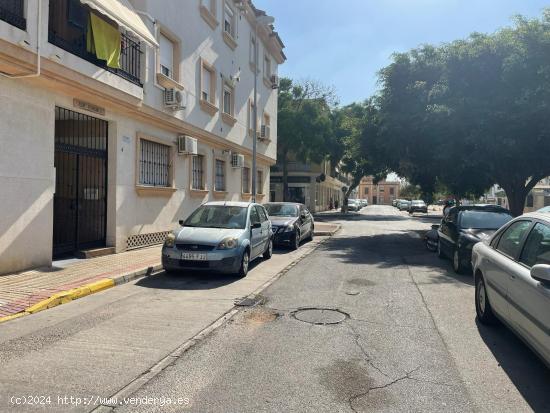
(344, 43)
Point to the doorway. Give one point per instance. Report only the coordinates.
(80, 199)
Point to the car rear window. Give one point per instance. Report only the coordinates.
(484, 219)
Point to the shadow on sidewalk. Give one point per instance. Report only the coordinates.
(529, 374)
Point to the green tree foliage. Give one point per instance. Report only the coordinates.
(471, 113)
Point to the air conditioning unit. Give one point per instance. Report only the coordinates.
(265, 133)
(274, 82)
(174, 99)
(187, 145)
(237, 160)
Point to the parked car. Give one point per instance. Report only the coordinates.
(418, 205)
(354, 205)
(291, 223)
(403, 205)
(363, 203)
(545, 209)
(512, 280)
(463, 227)
(431, 237)
(219, 236)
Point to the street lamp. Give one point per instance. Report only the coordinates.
(263, 20)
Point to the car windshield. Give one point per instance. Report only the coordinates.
(484, 219)
(281, 210)
(218, 216)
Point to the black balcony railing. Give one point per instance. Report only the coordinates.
(67, 29)
(12, 12)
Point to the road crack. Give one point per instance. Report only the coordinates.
(369, 359)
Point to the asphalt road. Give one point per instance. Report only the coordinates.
(403, 337)
(406, 338)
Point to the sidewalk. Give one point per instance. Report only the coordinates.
(35, 290)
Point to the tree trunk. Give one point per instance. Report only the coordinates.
(344, 208)
(516, 191)
(285, 175)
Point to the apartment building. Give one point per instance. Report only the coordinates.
(118, 118)
(382, 193)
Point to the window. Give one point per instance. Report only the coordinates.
(154, 164)
(198, 172)
(206, 84)
(228, 100)
(254, 216)
(208, 12)
(267, 67)
(252, 50)
(366, 191)
(210, 5)
(537, 246)
(208, 88)
(510, 241)
(260, 182)
(392, 191)
(529, 201)
(246, 180)
(219, 184)
(381, 189)
(166, 50)
(229, 20)
(262, 213)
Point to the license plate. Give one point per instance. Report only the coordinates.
(193, 256)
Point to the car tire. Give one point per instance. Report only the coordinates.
(458, 267)
(430, 247)
(311, 234)
(296, 243)
(440, 252)
(269, 250)
(245, 262)
(484, 311)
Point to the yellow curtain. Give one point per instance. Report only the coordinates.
(104, 41)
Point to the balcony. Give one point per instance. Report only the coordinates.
(12, 12)
(67, 29)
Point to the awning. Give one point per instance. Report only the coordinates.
(122, 12)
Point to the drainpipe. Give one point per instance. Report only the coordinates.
(38, 50)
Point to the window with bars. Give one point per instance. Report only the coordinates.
(246, 180)
(260, 182)
(198, 172)
(219, 184)
(154, 164)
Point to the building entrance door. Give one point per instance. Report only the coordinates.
(80, 200)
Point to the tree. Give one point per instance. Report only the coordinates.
(304, 123)
(471, 113)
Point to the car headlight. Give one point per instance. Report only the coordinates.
(228, 244)
(170, 240)
(289, 228)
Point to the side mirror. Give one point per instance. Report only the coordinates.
(541, 272)
(256, 225)
(435, 226)
(181, 222)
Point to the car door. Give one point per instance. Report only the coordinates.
(309, 219)
(500, 265)
(529, 298)
(302, 219)
(266, 228)
(256, 234)
(447, 232)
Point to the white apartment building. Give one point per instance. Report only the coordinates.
(118, 118)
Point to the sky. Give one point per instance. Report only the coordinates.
(344, 43)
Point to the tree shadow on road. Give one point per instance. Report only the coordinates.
(528, 373)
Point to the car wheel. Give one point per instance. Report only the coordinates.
(484, 310)
(440, 252)
(430, 246)
(458, 267)
(269, 250)
(245, 261)
(296, 244)
(311, 234)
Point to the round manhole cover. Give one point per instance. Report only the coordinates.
(320, 316)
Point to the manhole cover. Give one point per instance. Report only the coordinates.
(320, 316)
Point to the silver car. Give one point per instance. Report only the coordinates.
(219, 236)
(512, 279)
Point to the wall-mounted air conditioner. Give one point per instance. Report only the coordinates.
(237, 160)
(187, 145)
(274, 82)
(265, 133)
(174, 99)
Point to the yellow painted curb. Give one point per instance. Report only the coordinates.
(64, 297)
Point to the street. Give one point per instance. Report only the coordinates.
(369, 321)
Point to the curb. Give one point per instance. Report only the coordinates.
(67, 296)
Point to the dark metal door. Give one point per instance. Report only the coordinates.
(80, 200)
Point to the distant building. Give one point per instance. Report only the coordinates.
(382, 193)
(539, 196)
(312, 184)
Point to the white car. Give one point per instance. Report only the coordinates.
(512, 279)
